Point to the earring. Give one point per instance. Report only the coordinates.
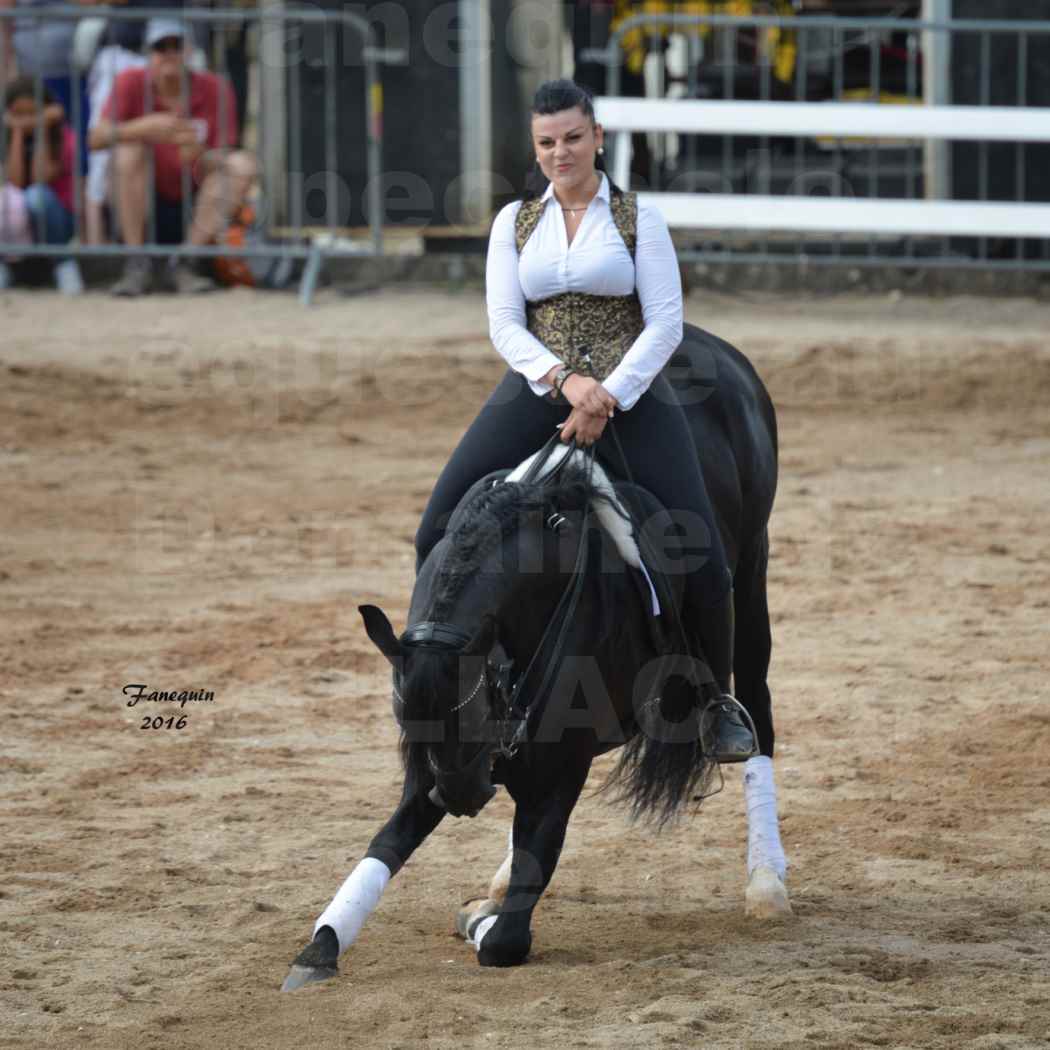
(601, 151)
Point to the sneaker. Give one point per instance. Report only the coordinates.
(137, 279)
(185, 280)
(67, 277)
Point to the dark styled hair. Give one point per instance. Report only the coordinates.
(556, 96)
(27, 87)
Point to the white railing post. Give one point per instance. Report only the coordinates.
(937, 91)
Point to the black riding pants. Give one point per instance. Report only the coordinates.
(661, 457)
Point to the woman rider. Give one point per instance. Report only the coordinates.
(559, 272)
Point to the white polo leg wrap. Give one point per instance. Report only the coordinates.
(763, 830)
(356, 900)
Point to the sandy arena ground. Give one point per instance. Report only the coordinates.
(199, 494)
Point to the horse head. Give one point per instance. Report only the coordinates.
(446, 687)
(482, 603)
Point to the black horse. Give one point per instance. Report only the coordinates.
(532, 648)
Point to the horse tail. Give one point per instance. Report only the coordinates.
(663, 771)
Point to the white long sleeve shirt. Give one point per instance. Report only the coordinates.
(597, 262)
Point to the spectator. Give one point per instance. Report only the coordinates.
(40, 151)
(192, 137)
(14, 227)
(7, 47)
(43, 47)
(121, 49)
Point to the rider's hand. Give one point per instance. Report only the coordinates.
(584, 426)
(588, 395)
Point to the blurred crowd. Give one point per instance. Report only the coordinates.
(155, 134)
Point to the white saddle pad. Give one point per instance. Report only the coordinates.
(617, 525)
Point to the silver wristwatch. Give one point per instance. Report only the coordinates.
(559, 381)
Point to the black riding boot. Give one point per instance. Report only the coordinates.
(723, 725)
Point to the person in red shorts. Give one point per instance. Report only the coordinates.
(188, 121)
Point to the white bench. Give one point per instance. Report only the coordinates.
(621, 116)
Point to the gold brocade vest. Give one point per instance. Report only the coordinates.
(590, 333)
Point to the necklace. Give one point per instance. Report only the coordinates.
(573, 211)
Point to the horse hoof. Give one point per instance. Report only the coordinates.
(318, 961)
(472, 912)
(300, 975)
(766, 896)
(504, 953)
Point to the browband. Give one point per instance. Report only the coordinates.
(437, 635)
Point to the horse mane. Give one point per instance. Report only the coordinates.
(494, 514)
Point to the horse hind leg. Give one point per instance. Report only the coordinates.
(473, 911)
(752, 642)
(766, 896)
(501, 880)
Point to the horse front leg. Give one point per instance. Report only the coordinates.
(538, 835)
(339, 924)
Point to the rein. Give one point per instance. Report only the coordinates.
(563, 614)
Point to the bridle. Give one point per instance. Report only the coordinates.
(510, 718)
(432, 634)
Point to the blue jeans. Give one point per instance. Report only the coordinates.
(49, 220)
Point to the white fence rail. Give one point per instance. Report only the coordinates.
(621, 117)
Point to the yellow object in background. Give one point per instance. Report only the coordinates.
(779, 44)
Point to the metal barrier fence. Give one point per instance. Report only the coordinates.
(772, 60)
(278, 133)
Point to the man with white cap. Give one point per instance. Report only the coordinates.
(188, 120)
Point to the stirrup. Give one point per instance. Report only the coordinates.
(708, 722)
